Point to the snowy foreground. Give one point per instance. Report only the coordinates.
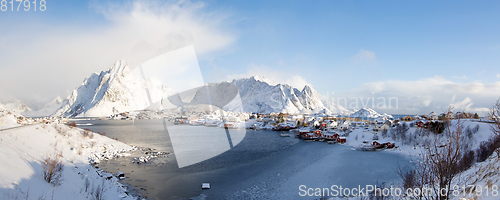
(283, 184)
(24, 149)
(481, 174)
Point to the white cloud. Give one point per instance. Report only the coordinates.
(297, 82)
(461, 105)
(463, 77)
(59, 56)
(274, 76)
(431, 94)
(413, 97)
(498, 75)
(364, 56)
(427, 102)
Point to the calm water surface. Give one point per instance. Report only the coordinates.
(262, 164)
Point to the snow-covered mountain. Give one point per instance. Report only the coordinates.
(14, 105)
(110, 92)
(49, 109)
(259, 95)
(369, 113)
(119, 90)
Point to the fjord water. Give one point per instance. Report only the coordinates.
(262, 165)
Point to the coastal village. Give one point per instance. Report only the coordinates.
(320, 127)
(371, 126)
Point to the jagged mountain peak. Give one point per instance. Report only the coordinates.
(119, 68)
(119, 90)
(58, 100)
(259, 78)
(307, 89)
(48, 109)
(14, 105)
(110, 92)
(369, 113)
(260, 96)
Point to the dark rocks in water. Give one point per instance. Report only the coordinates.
(108, 176)
(150, 155)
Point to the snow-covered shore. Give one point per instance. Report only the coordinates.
(24, 149)
(360, 134)
(483, 174)
(284, 185)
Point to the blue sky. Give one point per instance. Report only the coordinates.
(410, 40)
(423, 52)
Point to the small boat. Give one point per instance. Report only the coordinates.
(181, 120)
(285, 135)
(254, 126)
(205, 186)
(309, 136)
(230, 125)
(283, 127)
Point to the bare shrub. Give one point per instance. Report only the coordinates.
(41, 197)
(392, 134)
(444, 162)
(384, 133)
(399, 132)
(468, 132)
(438, 127)
(86, 184)
(86, 132)
(52, 170)
(377, 195)
(495, 116)
(475, 129)
(408, 177)
(91, 135)
(72, 124)
(62, 130)
(417, 177)
(486, 148)
(441, 163)
(466, 161)
(98, 191)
